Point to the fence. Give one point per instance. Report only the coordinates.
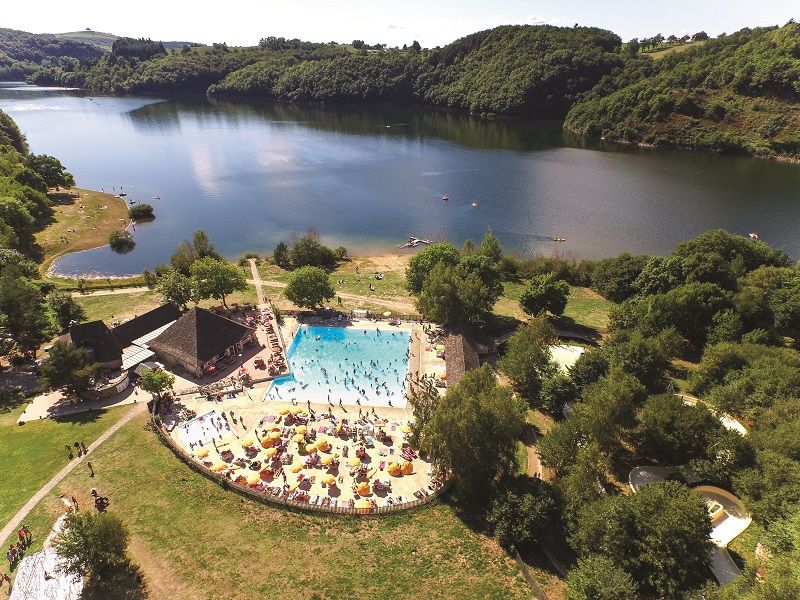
(266, 498)
(537, 590)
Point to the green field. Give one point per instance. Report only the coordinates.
(195, 540)
(585, 308)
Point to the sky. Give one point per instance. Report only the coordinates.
(392, 22)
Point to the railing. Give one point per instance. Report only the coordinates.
(266, 498)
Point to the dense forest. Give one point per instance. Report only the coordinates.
(735, 93)
(21, 53)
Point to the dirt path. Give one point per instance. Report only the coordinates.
(257, 281)
(17, 519)
(399, 306)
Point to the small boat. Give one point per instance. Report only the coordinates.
(559, 239)
(413, 242)
(122, 194)
(754, 235)
(156, 197)
(446, 197)
(474, 204)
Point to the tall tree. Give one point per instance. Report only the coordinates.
(474, 432)
(422, 263)
(51, 170)
(544, 294)
(65, 309)
(309, 287)
(490, 247)
(597, 578)
(89, 543)
(69, 368)
(175, 287)
(21, 301)
(217, 279)
(527, 360)
(157, 381)
(202, 245)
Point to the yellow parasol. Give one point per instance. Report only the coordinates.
(323, 445)
(274, 435)
(301, 429)
(311, 448)
(388, 313)
(202, 453)
(328, 460)
(338, 428)
(304, 414)
(294, 486)
(272, 452)
(285, 411)
(296, 410)
(253, 478)
(407, 468)
(372, 472)
(394, 469)
(298, 437)
(354, 462)
(363, 489)
(266, 473)
(406, 428)
(329, 480)
(297, 468)
(247, 443)
(363, 503)
(440, 347)
(220, 466)
(267, 442)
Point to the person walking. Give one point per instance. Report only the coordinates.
(85, 450)
(91, 470)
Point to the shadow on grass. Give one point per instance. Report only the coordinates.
(12, 400)
(121, 582)
(81, 418)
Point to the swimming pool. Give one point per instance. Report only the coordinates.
(566, 356)
(354, 365)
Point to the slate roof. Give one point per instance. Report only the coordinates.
(199, 335)
(126, 333)
(96, 336)
(460, 357)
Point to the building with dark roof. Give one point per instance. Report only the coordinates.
(199, 339)
(139, 327)
(97, 339)
(460, 357)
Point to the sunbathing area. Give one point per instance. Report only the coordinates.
(333, 434)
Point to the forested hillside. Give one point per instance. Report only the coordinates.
(512, 70)
(736, 93)
(21, 53)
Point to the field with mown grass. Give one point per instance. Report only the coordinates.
(195, 540)
(31, 454)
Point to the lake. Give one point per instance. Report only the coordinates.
(252, 172)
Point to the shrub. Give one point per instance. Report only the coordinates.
(141, 212)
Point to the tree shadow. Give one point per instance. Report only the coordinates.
(80, 418)
(11, 400)
(124, 581)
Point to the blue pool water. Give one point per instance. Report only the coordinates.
(347, 364)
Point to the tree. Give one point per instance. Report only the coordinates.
(673, 433)
(65, 309)
(597, 577)
(15, 214)
(308, 251)
(175, 287)
(527, 360)
(121, 242)
(309, 287)
(590, 367)
(358, 44)
(633, 47)
(423, 400)
(141, 212)
(452, 294)
(281, 255)
(214, 278)
(203, 248)
(422, 263)
(639, 355)
(558, 447)
(69, 367)
(51, 170)
(157, 381)
(32, 179)
(21, 301)
(558, 390)
(700, 36)
(415, 47)
(660, 536)
(608, 408)
(91, 542)
(545, 293)
(520, 509)
(614, 278)
(490, 247)
(184, 257)
(474, 432)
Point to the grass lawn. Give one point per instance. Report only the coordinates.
(32, 453)
(194, 540)
(92, 215)
(122, 306)
(585, 308)
(663, 50)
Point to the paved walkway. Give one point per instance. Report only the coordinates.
(257, 281)
(17, 519)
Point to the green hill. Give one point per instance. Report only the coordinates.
(737, 93)
(93, 38)
(21, 53)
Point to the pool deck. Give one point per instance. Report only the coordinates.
(255, 416)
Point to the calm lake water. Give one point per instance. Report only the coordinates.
(250, 173)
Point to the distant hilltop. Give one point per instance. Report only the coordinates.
(106, 40)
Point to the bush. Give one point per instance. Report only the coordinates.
(121, 242)
(247, 256)
(141, 212)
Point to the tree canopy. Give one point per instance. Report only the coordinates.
(69, 368)
(309, 287)
(527, 359)
(214, 278)
(91, 542)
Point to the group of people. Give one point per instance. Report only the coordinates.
(80, 447)
(17, 551)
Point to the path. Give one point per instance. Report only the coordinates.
(257, 281)
(17, 519)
